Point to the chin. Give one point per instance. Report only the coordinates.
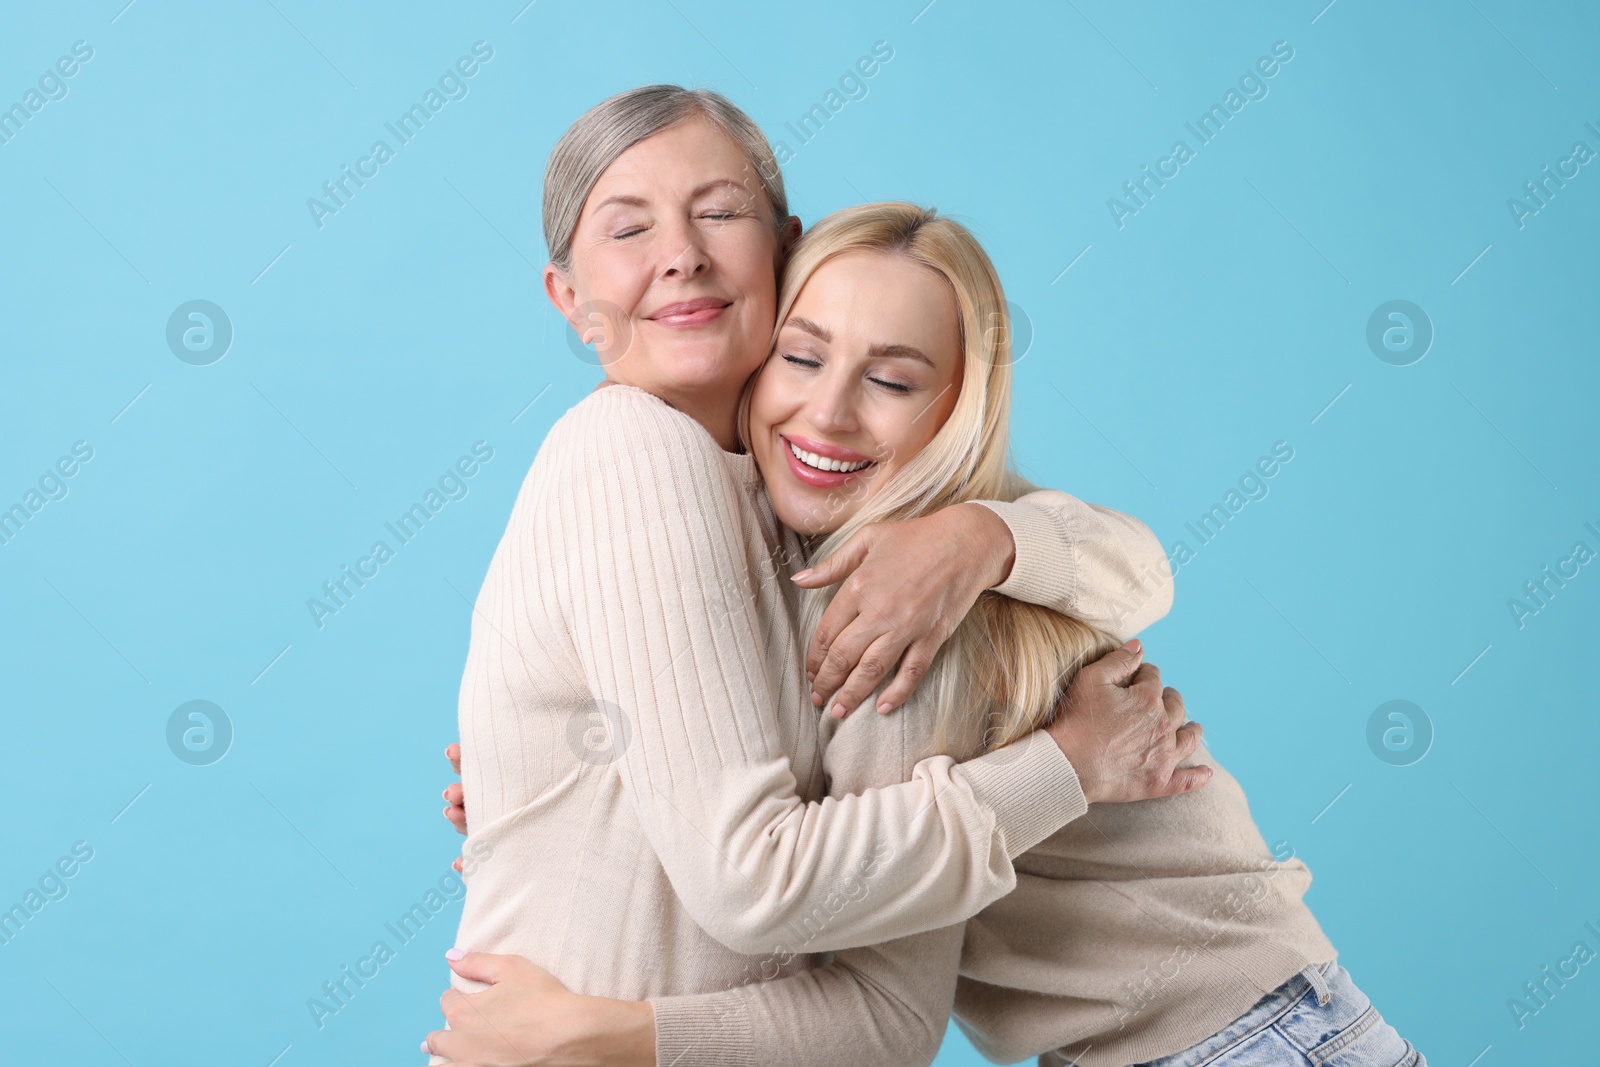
(810, 517)
(711, 366)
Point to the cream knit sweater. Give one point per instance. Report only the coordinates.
(645, 773)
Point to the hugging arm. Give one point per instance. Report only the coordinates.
(884, 1005)
(1094, 563)
(888, 1004)
(907, 585)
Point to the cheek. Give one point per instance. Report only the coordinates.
(749, 264)
(918, 435)
(903, 438)
(766, 410)
(778, 393)
(616, 275)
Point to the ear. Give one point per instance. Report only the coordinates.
(558, 287)
(788, 234)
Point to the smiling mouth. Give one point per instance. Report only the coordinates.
(822, 463)
(691, 312)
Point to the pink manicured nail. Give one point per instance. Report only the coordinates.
(816, 699)
(454, 954)
(800, 575)
(838, 711)
(885, 707)
(425, 1047)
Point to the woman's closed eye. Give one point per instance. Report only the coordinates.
(813, 363)
(628, 230)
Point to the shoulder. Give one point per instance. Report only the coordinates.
(635, 463)
(616, 419)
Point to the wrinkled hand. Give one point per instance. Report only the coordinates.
(1124, 733)
(527, 1018)
(906, 587)
(455, 800)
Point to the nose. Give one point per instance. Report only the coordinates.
(685, 248)
(832, 406)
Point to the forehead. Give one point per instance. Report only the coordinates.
(676, 162)
(878, 298)
(862, 289)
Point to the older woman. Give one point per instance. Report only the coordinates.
(644, 765)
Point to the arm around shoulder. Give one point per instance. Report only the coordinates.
(1094, 563)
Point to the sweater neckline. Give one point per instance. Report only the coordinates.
(742, 465)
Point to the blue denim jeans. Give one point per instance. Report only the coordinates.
(1318, 1018)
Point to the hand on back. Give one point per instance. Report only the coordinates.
(1125, 735)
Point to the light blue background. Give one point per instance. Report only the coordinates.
(370, 353)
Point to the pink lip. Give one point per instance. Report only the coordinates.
(822, 479)
(690, 313)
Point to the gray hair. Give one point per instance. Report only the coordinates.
(615, 125)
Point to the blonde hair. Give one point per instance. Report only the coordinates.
(615, 125)
(1002, 673)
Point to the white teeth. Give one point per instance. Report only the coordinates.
(811, 459)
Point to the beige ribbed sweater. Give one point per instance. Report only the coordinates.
(644, 770)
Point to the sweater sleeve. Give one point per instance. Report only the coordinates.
(1084, 560)
(885, 1005)
(641, 520)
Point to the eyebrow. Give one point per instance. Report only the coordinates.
(801, 323)
(696, 194)
(899, 352)
(890, 351)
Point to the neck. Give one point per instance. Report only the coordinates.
(719, 417)
(719, 414)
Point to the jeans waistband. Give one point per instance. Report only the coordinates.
(1307, 1008)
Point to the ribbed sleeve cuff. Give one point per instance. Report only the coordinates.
(1043, 552)
(1030, 786)
(707, 1030)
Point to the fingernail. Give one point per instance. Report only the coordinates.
(838, 710)
(425, 1047)
(884, 707)
(1132, 645)
(816, 699)
(800, 575)
(811, 676)
(454, 954)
